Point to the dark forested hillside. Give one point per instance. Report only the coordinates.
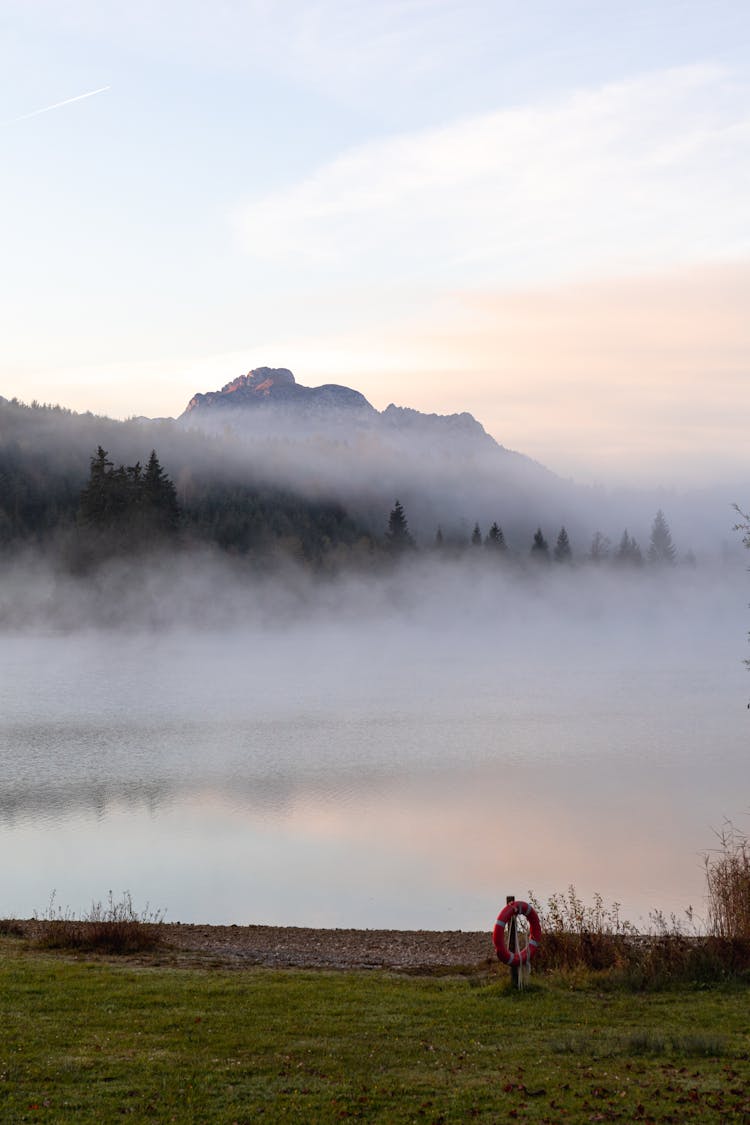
(82, 487)
(40, 481)
(60, 488)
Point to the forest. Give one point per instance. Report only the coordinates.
(78, 505)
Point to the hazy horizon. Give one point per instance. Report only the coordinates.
(679, 477)
(389, 750)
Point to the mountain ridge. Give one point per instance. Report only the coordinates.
(330, 440)
(264, 387)
(447, 471)
(276, 389)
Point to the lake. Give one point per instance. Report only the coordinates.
(398, 752)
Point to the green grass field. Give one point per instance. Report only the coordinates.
(92, 1041)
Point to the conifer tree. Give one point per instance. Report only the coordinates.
(397, 537)
(600, 548)
(628, 551)
(495, 538)
(128, 503)
(107, 501)
(476, 536)
(439, 540)
(540, 547)
(563, 552)
(159, 497)
(661, 549)
(94, 509)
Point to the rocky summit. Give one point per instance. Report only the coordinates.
(272, 395)
(276, 386)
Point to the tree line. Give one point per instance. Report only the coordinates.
(47, 501)
(44, 500)
(139, 507)
(661, 550)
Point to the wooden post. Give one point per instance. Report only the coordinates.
(511, 943)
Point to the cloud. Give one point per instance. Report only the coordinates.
(632, 175)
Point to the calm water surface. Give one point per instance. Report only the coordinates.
(401, 769)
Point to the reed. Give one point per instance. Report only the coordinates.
(580, 939)
(728, 885)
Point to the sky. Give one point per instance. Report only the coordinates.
(537, 212)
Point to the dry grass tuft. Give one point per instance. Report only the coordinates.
(578, 935)
(111, 927)
(578, 939)
(10, 927)
(728, 886)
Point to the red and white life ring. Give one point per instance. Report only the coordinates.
(498, 934)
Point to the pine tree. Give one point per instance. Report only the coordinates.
(439, 540)
(476, 536)
(600, 548)
(128, 504)
(628, 552)
(563, 552)
(94, 509)
(495, 538)
(158, 496)
(540, 547)
(661, 549)
(397, 537)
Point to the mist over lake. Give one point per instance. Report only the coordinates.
(392, 750)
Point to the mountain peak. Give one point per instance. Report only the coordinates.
(261, 380)
(276, 386)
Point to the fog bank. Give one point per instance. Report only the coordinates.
(402, 748)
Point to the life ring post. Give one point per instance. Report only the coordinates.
(514, 969)
(504, 936)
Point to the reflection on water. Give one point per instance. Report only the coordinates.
(390, 774)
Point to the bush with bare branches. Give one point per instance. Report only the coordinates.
(111, 927)
(728, 885)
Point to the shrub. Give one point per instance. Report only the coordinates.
(578, 939)
(9, 927)
(728, 885)
(112, 927)
(576, 935)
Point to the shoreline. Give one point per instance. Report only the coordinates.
(304, 947)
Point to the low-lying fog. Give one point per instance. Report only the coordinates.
(394, 750)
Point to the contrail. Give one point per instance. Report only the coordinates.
(67, 101)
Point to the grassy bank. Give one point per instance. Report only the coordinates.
(92, 1041)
